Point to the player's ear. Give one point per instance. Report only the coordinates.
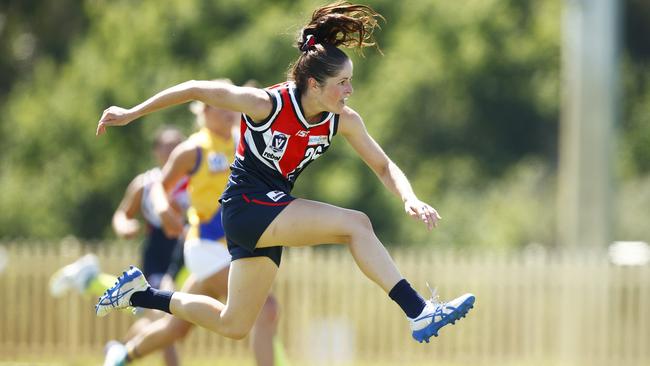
(312, 84)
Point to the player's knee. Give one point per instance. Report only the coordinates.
(234, 328)
(361, 223)
(236, 332)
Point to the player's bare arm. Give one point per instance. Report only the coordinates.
(253, 102)
(125, 223)
(179, 164)
(354, 130)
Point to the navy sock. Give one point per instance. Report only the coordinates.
(407, 298)
(152, 298)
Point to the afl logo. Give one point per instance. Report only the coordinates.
(277, 146)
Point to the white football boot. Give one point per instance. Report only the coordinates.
(119, 296)
(115, 354)
(75, 275)
(436, 315)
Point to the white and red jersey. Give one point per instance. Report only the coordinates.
(179, 195)
(272, 153)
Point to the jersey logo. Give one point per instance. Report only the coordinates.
(302, 133)
(275, 150)
(317, 140)
(275, 195)
(217, 162)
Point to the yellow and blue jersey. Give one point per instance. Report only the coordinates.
(207, 181)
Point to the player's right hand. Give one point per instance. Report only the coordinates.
(128, 229)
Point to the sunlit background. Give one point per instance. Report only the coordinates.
(525, 123)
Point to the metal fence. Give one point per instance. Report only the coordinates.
(532, 308)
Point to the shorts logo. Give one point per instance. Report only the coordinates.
(275, 195)
(275, 150)
(217, 162)
(317, 140)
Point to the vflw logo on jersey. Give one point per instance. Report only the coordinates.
(276, 148)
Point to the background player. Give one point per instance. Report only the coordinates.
(85, 276)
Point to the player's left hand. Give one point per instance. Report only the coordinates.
(422, 211)
(114, 116)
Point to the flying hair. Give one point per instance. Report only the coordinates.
(341, 24)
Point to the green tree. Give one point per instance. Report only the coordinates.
(465, 99)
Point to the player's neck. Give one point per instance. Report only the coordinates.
(311, 108)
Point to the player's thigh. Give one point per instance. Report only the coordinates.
(249, 284)
(305, 222)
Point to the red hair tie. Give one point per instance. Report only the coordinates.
(309, 42)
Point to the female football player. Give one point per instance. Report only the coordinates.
(283, 129)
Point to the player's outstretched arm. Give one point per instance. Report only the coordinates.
(251, 101)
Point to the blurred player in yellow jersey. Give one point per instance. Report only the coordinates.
(205, 158)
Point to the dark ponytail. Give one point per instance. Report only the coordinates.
(340, 24)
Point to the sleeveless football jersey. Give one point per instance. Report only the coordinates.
(206, 183)
(272, 153)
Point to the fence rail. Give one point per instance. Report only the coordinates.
(533, 308)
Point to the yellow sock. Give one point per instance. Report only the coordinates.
(99, 284)
(279, 356)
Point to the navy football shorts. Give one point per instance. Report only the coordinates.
(245, 218)
(156, 255)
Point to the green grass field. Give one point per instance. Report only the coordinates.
(156, 361)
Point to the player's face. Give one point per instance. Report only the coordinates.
(337, 89)
(164, 149)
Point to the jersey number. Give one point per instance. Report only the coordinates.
(312, 153)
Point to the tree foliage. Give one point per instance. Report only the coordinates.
(465, 99)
